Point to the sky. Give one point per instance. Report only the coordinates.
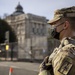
(44, 8)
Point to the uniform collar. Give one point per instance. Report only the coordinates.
(67, 40)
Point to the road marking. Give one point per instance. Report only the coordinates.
(9, 66)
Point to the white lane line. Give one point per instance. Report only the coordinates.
(8, 66)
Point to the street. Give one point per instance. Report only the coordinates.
(19, 68)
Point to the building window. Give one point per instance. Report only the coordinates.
(43, 30)
(34, 28)
(37, 31)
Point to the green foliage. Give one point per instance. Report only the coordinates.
(5, 27)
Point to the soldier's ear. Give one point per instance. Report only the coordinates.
(66, 25)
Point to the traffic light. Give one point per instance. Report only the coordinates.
(7, 47)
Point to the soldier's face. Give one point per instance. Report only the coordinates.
(59, 26)
(57, 29)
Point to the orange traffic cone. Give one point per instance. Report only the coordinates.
(10, 71)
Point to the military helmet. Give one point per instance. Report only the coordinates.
(64, 12)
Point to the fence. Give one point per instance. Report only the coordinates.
(10, 53)
(36, 52)
(20, 52)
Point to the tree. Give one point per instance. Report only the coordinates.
(4, 27)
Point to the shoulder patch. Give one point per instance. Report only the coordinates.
(65, 67)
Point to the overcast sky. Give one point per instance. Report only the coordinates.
(38, 7)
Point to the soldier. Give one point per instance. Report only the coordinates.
(62, 60)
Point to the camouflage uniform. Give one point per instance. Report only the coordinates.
(62, 59)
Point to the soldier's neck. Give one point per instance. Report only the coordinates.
(71, 34)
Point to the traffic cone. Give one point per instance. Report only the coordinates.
(10, 71)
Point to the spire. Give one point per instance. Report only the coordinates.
(18, 3)
(19, 7)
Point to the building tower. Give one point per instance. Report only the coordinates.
(18, 10)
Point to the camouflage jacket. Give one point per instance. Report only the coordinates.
(63, 58)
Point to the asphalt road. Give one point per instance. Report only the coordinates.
(19, 68)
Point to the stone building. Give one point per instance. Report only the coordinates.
(31, 33)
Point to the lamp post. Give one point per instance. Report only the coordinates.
(7, 44)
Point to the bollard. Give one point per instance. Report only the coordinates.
(10, 71)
